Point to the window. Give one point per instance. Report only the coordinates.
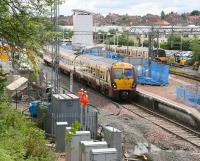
(128, 73)
(118, 73)
(123, 73)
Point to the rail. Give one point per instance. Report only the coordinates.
(165, 123)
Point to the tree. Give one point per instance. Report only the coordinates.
(196, 49)
(22, 24)
(195, 13)
(162, 15)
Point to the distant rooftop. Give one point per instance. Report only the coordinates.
(82, 12)
(162, 23)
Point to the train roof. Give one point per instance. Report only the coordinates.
(90, 59)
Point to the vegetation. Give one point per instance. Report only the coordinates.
(196, 50)
(195, 13)
(122, 39)
(20, 139)
(162, 15)
(74, 127)
(25, 25)
(174, 43)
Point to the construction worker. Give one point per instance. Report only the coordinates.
(80, 94)
(85, 99)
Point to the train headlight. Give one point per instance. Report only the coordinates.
(114, 85)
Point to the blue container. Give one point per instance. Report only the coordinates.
(33, 108)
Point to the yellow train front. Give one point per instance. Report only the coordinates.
(123, 81)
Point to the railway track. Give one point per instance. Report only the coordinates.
(165, 123)
(186, 75)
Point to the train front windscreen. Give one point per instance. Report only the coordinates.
(120, 73)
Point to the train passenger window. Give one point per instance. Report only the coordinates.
(128, 73)
(93, 71)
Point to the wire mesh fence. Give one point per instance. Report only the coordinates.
(189, 95)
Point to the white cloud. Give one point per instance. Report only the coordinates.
(133, 7)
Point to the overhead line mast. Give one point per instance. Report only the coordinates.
(55, 49)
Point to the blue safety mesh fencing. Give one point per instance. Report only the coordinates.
(106, 54)
(189, 95)
(152, 73)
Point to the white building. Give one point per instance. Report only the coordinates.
(83, 28)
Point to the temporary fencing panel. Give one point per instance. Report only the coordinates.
(106, 54)
(152, 73)
(189, 96)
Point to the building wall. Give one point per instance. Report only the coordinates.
(83, 29)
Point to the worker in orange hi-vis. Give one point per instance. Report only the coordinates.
(85, 109)
(80, 94)
(85, 99)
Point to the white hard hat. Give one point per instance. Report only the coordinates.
(85, 91)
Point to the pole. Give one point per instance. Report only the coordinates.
(71, 81)
(127, 43)
(117, 40)
(72, 73)
(16, 99)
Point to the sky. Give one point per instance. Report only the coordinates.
(131, 7)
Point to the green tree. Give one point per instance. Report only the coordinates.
(21, 23)
(195, 13)
(162, 15)
(24, 25)
(68, 34)
(196, 49)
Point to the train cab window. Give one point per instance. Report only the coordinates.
(118, 73)
(128, 73)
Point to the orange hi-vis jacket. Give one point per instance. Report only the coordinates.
(80, 94)
(85, 100)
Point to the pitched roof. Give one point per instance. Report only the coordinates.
(162, 23)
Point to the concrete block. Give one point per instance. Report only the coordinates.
(87, 146)
(113, 137)
(73, 146)
(107, 154)
(60, 136)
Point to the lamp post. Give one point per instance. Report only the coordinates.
(127, 42)
(117, 35)
(99, 37)
(108, 35)
(72, 73)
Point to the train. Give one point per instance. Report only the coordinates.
(114, 79)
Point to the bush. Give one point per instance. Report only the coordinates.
(20, 139)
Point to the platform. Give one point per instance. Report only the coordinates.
(167, 94)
